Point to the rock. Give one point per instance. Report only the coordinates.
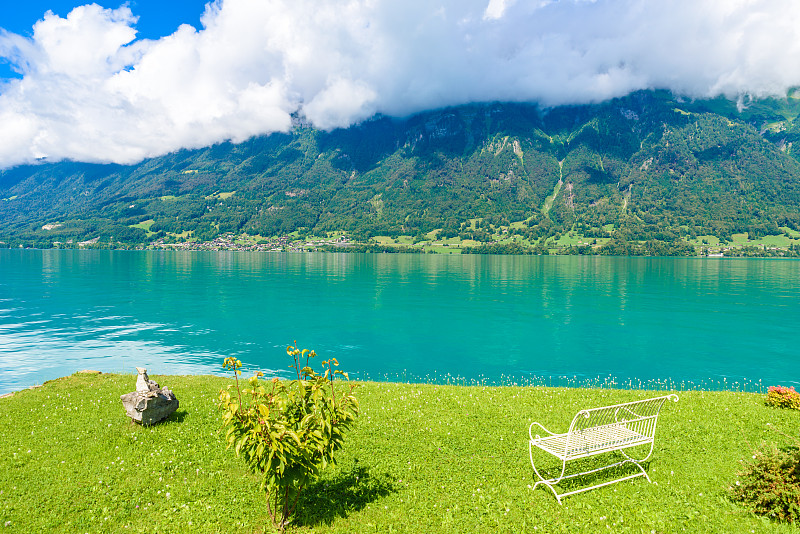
(150, 403)
(143, 381)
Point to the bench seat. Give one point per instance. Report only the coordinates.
(591, 441)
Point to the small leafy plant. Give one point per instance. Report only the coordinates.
(287, 431)
(770, 485)
(783, 397)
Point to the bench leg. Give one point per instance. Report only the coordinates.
(551, 482)
(637, 462)
(640, 462)
(643, 473)
(547, 482)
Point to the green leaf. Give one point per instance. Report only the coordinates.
(294, 436)
(241, 443)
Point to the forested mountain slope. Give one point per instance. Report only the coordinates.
(648, 167)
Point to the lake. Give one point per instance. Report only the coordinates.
(610, 321)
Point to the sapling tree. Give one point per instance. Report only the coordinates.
(287, 431)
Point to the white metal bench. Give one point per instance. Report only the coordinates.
(597, 431)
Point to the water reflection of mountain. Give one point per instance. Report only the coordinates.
(398, 317)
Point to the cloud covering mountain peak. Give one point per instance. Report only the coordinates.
(91, 91)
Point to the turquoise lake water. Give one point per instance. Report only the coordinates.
(715, 323)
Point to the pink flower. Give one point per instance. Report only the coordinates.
(783, 397)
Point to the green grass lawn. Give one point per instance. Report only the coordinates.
(144, 225)
(705, 240)
(794, 234)
(422, 458)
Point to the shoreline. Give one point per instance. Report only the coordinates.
(746, 253)
(607, 383)
(501, 244)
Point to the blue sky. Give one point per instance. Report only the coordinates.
(95, 84)
(157, 18)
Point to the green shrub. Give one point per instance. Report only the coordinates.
(783, 397)
(287, 432)
(770, 485)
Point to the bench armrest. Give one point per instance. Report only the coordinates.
(530, 431)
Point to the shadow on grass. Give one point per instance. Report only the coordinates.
(347, 492)
(176, 417)
(552, 470)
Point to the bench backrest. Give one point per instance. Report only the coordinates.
(637, 418)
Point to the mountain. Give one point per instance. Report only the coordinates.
(648, 173)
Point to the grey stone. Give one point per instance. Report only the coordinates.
(142, 380)
(150, 403)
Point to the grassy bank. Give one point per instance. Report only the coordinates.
(422, 458)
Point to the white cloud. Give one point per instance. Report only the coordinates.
(86, 43)
(341, 103)
(91, 91)
(497, 8)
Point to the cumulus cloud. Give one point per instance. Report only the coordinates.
(91, 91)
